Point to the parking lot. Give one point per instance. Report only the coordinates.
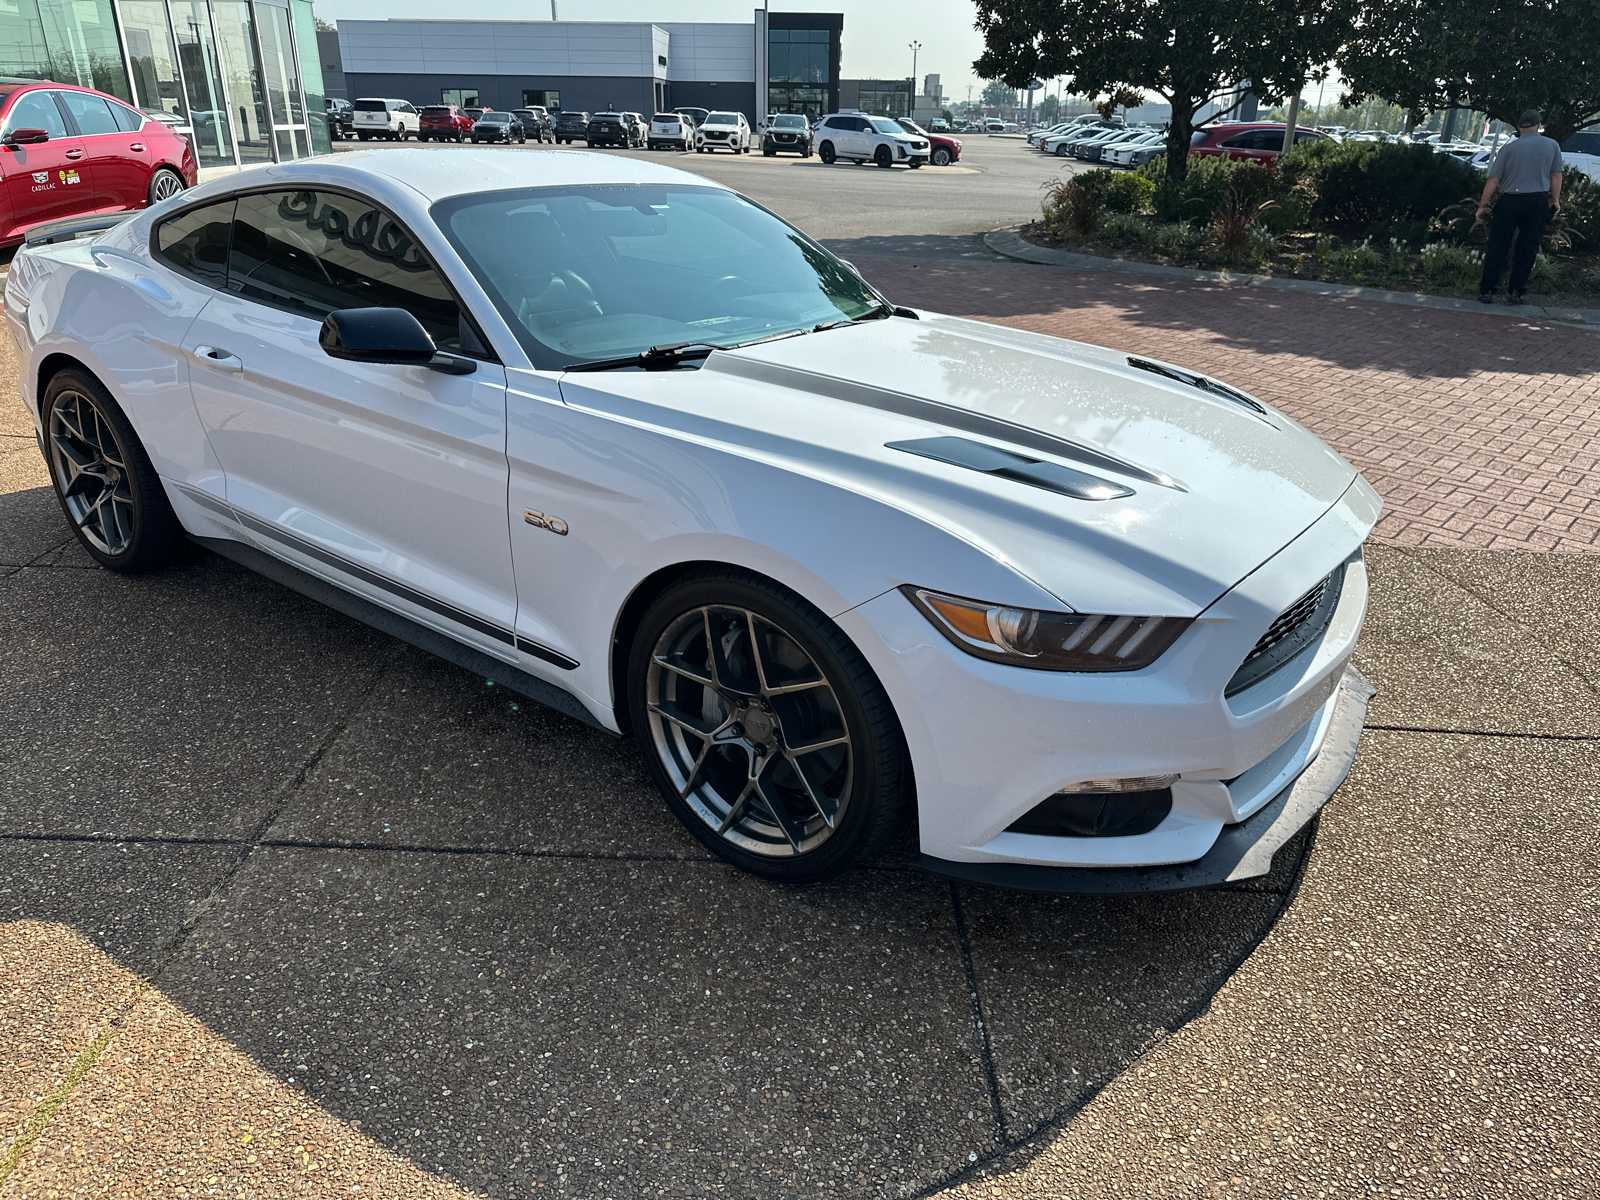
(293, 909)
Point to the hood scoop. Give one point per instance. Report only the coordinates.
(1004, 464)
(1221, 390)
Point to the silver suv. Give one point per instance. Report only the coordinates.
(859, 137)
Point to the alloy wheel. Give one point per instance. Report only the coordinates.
(166, 186)
(749, 730)
(90, 466)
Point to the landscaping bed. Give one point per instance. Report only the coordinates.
(1394, 217)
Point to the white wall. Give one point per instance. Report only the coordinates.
(709, 52)
(597, 49)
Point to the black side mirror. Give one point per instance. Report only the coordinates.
(386, 336)
(27, 137)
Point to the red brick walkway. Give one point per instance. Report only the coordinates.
(1479, 431)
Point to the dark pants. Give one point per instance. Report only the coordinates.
(1523, 216)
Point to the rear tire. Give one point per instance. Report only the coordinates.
(810, 814)
(103, 478)
(1062, 152)
(164, 184)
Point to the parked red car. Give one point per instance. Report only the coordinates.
(942, 150)
(1254, 141)
(71, 152)
(443, 123)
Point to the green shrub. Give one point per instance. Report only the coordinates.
(1356, 261)
(1124, 229)
(1128, 193)
(1074, 203)
(1291, 213)
(1198, 195)
(1449, 266)
(1178, 238)
(1577, 229)
(1382, 188)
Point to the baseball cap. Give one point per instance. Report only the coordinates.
(1530, 116)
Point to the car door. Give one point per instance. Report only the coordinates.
(44, 180)
(119, 164)
(389, 479)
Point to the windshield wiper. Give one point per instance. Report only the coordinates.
(665, 357)
(884, 309)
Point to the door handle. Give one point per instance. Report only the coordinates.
(137, 147)
(214, 356)
(74, 153)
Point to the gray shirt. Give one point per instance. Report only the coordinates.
(1526, 163)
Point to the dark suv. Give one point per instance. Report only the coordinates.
(570, 125)
(789, 133)
(444, 123)
(535, 122)
(341, 118)
(614, 129)
(498, 127)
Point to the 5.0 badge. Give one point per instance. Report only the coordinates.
(539, 519)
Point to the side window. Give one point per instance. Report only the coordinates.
(1241, 141)
(127, 120)
(90, 112)
(316, 252)
(37, 110)
(1306, 137)
(196, 242)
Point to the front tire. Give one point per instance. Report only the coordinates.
(764, 728)
(883, 157)
(941, 157)
(103, 478)
(826, 154)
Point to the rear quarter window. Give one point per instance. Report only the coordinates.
(196, 242)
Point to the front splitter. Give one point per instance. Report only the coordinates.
(1242, 851)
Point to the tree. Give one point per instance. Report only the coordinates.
(322, 26)
(1495, 56)
(1188, 52)
(998, 94)
(1049, 107)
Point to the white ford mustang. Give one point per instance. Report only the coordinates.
(626, 442)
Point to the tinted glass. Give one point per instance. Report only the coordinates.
(723, 118)
(665, 117)
(1582, 143)
(197, 242)
(90, 112)
(1199, 136)
(593, 272)
(36, 110)
(436, 110)
(885, 125)
(127, 120)
(316, 252)
(371, 106)
(788, 121)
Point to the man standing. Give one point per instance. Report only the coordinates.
(1527, 174)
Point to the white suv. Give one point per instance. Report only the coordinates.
(723, 131)
(861, 138)
(1581, 152)
(670, 130)
(395, 120)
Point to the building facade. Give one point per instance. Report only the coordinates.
(596, 66)
(243, 75)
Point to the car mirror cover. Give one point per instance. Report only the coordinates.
(27, 137)
(376, 335)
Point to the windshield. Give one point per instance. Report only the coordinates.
(585, 273)
(884, 125)
(788, 121)
(723, 119)
(911, 126)
(495, 118)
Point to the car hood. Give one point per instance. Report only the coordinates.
(1215, 487)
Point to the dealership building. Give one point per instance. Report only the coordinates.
(598, 66)
(244, 75)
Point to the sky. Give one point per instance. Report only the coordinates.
(877, 36)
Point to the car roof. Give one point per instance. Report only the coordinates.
(436, 176)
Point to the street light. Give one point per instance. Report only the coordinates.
(915, 46)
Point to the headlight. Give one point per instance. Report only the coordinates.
(1048, 641)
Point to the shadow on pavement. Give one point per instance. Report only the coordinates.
(937, 247)
(465, 924)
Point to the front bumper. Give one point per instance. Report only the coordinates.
(1243, 851)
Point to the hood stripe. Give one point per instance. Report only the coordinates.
(918, 408)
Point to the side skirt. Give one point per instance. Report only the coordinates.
(404, 628)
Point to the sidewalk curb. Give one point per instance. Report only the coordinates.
(1011, 244)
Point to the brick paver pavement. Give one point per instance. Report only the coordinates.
(1480, 431)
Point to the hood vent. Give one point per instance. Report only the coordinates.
(991, 460)
(1199, 381)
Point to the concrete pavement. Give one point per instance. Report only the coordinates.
(287, 908)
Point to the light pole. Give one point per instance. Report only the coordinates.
(915, 46)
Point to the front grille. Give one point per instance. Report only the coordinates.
(1297, 627)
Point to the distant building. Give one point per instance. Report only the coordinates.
(599, 65)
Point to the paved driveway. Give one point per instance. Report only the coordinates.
(292, 909)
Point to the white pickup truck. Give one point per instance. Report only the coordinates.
(391, 120)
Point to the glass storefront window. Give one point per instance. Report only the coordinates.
(886, 100)
(305, 39)
(68, 41)
(460, 97)
(281, 71)
(22, 47)
(548, 100)
(812, 101)
(202, 77)
(247, 104)
(155, 62)
(797, 56)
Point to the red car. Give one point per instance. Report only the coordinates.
(1255, 141)
(70, 152)
(444, 123)
(942, 150)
